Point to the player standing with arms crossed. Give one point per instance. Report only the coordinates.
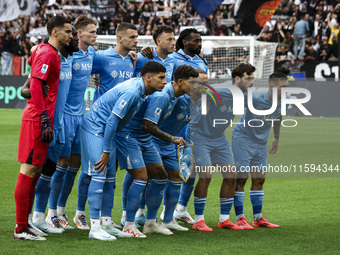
(36, 129)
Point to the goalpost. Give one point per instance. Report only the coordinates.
(222, 53)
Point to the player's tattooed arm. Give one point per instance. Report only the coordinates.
(276, 129)
(155, 131)
(26, 93)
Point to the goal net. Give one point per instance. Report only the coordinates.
(222, 53)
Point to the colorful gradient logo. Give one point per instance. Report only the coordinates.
(211, 95)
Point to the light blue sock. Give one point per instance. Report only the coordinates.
(154, 197)
(69, 177)
(42, 192)
(238, 204)
(171, 195)
(186, 191)
(134, 196)
(256, 198)
(108, 196)
(199, 204)
(225, 205)
(127, 181)
(96, 196)
(83, 187)
(143, 202)
(56, 184)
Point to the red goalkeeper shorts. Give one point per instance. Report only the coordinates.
(31, 149)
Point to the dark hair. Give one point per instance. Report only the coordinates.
(184, 35)
(83, 21)
(242, 68)
(123, 27)
(185, 72)
(277, 76)
(56, 21)
(153, 67)
(161, 29)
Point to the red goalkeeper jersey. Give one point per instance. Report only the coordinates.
(45, 63)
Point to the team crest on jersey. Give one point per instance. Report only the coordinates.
(61, 76)
(44, 68)
(136, 161)
(223, 108)
(171, 65)
(131, 65)
(183, 107)
(180, 116)
(76, 66)
(158, 111)
(122, 104)
(168, 74)
(201, 66)
(114, 74)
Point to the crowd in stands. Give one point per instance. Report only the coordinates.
(305, 30)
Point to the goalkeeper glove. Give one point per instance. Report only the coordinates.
(46, 128)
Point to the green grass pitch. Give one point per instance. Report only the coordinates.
(307, 209)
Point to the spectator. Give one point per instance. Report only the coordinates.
(323, 31)
(324, 51)
(287, 41)
(7, 50)
(316, 25)
(300, 31)
(311, 54)
(334, 29)
(284, 55)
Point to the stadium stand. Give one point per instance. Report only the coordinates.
(18, 36)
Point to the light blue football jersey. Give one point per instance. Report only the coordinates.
(179, 117)
(180, 58)
(123, 100)
(259, 128)
(156, 108)
(168, 63)
(112, 69)
(204, 124)
(65, 78)
(81, 71)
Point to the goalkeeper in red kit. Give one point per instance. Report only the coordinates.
(37, 121)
